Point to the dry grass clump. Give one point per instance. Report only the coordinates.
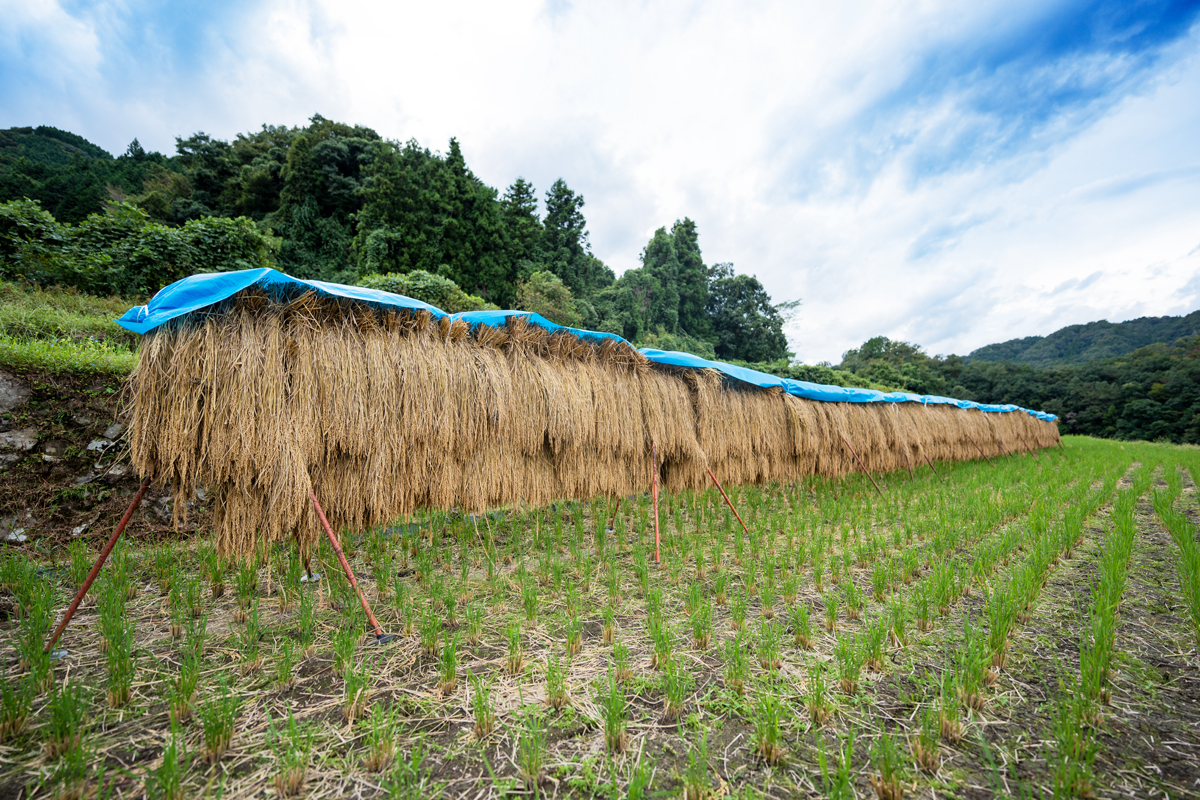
(380, 413)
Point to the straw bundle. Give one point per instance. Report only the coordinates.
(383, 412)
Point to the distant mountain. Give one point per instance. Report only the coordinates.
(1078, 344)
(46, 145)
(67, 174)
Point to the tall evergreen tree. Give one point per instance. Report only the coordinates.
(426, 212)
(519, 210)
(660, 263)
(566, 243)
(473, 247)
(691, 280)
(748, 326)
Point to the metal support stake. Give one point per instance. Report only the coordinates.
(930, 463)
(980, 449)
(337, 549)
(87, 583)
(654, 494)
(723, 495)
(861, 464)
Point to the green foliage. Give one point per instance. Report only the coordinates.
(165, 782)
(122, 251)
(428, 288)
(546, 294)
(565, 243)
(818, 373)
(519, 211)
(218, 716)
(345, 203)
(68, 175)
(424, 211)
(1076, 345)
(747, 325)
(661, 340)
(883, 361)
(661, 267)
(1152, 393)
(87, 356)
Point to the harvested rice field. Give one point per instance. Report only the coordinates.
(1026, 627)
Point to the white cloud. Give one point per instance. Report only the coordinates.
(917, 170)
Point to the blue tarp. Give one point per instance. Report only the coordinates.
(201, 291)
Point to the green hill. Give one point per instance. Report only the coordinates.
(67, 174)
(46, 145)
(1079, 344)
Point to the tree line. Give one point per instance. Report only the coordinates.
(338, 202)
(1152, 393)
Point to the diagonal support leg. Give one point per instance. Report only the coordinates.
(980, 449)
(87, 583)
(654, 493)
(731, 508)
(930, 463)
(861, 464)
(380, 637)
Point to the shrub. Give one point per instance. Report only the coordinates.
(428, 288)
(123, 251)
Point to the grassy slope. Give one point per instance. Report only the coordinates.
(58, 331)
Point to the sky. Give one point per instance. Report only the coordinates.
(949, 174)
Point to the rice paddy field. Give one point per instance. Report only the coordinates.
(1026, 627)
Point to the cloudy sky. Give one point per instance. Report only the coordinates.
(951, 174)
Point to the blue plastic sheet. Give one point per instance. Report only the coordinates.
(202, 291)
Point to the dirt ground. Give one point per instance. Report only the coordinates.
(690, 721)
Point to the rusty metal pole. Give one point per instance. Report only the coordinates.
(861, 464)
(930, 463)
(731, 508)
(87, 583)
(980, 449)
(654, 494)
(337, 549)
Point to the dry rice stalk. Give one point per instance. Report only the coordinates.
(382, 413)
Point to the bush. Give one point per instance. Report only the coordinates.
(428, 288)
(544, 293)
(122, 251)
(679, 342)
(816, 373)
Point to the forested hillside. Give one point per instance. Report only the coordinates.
(339, 202)
(1079, 344)
(1152, 393)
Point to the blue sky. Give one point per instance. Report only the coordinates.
(948, 174)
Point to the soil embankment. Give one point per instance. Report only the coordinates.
(64, 465)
